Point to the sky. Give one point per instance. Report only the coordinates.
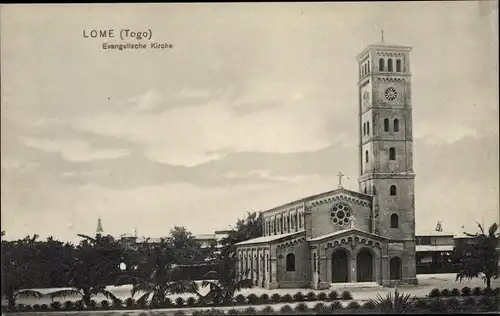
(254, 106)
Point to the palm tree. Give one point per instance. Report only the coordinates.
(225, 282)
(90, 267)
(481, 256)
(397, 304)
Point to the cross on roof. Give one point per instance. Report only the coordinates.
(341, 175)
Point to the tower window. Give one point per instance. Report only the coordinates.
(393, 190)
(364, 128)
(365, 190)
(368, 67)
(394, 221)
(367, 128)
(398, 65)
(389, 65)
(386, 125)
(366, 156)
(396, 125)
(392, 153)
(381, 65)
(290, 262)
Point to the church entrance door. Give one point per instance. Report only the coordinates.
(340, 266)
(364, 266)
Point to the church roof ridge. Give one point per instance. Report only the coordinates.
(308, 198)
(346, 231)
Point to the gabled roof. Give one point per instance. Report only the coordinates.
(269, 239)
(347, 232)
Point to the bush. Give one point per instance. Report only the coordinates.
(267, 310)
(36, 307)
(322, 296)
(240, 299)
(496, 291)
(469, 302)
(28, 308)
(420, 304)
(320, 308)
(55, 305)
(346, 295)
(287, 298)
(130, 302)
(488, 292)
(276, 298)
(232, 311)
(252, 299)
(68, 306)
(435, 293)
(264, 298)
(336, 305)
(179, 301)
(453, 304)
(197, 313)
(477, 291)
(117, 304)
(286, 309)
(455, 292)
(301, 307)
(92, 305)
(179, 313)
(79, 306)
(490, 303)
(466, 291)
(141, 304)
(353, 305)
(44, 307)
(250, 311)
(437, 305)
(311, 296)
(333, 295)
(298, 297)
(191, 301)
(445, 293)
(104, 304)
(368, 305)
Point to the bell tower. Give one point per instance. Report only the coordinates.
(386, 144)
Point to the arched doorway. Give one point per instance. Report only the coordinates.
(340, 266)
(364, 265)
(395, 268)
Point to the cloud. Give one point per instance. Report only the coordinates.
(74, 150)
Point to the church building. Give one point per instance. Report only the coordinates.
(343, 236)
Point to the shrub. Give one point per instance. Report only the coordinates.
(437, 305)
(453, 303)
(232, 311)
(394, 304)
(322, 296)
(141, 304)
(490, 302)
(191, 301)
(117, 304)
(92, 305)
(197, 313)
(68, 306)
(445, 293)
(215, 312)
(28, 308)
(276, 298)
(55, 305)
(488, 291)
(267, 310)
(179, 313)
(44, 307)
(19, 308)
(346, 295)
(468, 302)
(179, 301)
(240, 299)
(287, 298)
(79, 306)
(320, 308)
(36, 307)
(286, 309)
(353, 305)
(130, 302)
(311, 296)
(496, 291)
(420, 304)
(333, 295)
(455, 292)
(264, 299)
(104, 304)
(435, 293)
(368, 305)
(298, 297)
(252, 299)
(466, 291)
(301, 307)
(477, 291)
(336, 305)
(250, 311)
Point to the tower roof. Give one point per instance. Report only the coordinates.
(99, 229)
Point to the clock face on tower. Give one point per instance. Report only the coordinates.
(390, 94)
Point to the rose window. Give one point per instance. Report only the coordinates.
(341, 214)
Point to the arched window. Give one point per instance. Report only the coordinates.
(364, 128)
(398, 65)
(366, 155)
(365, 190)
(381, 65)
(386, 125)
(282, 224)
(288, 219)
(274, 225)
(395, 268)
(297, 220)
(314, 262)
(368, 67)
(300, 220)
(389, 65)
(394, 221)
(290, 262)
(396, 125)
(393, 190)
(367, 128)
(392, 153)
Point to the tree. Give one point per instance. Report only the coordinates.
(163, 278)
(481, 256)
(248, 228)
(187, 249)
(90, 267)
